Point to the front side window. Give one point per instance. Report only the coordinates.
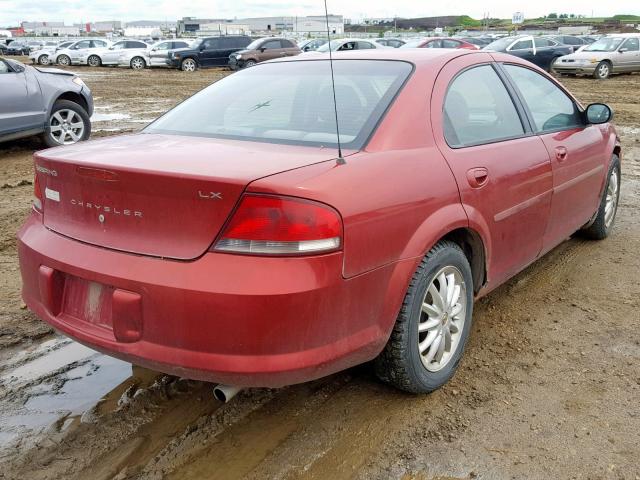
(632, 44)
(450, 44)
(434, 44)
(478, 109)
(365, 46)
(550, 107)
(271, 45)
(522, 45)
(291, 103)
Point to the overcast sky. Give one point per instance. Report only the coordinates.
(14, 11)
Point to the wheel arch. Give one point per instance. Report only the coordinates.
(72, 97)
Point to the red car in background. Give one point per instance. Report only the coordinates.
(228, 242)
(440, 42)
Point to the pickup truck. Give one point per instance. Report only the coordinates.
(207, 52)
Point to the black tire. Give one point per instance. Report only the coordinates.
(64, 60)
(603, 70)
(94, 61)
(249, 64)
(400, 362)
(600, 229)
(188, 65)
(67, 105)
(137, 63)
(43, 60)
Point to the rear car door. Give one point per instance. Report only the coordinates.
(576, 151)
(502, 170)
(289, 48)
(112, 55)
(545, 52)
(21, 105)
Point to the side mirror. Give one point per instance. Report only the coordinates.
(623, 49)
(597, 113)
(262, 49)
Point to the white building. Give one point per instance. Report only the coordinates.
(217, 28)
(62, 31)
(312, 24)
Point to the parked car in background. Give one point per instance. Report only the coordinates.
(79, 51)
(619, 53)
(155, 55)
(311, 45)
(571, 40)
(207, 52)
(111, 55)
(440, 42)
(17, 48)
(3, 47)
(289, 263)
(348, 44)
(541, 51)
(390, 42)
(478, 41)
(43, 56)
(261, 50)
(52, 103)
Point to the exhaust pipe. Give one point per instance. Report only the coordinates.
(224, 393)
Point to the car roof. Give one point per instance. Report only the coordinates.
(623, 35)
(425, 56)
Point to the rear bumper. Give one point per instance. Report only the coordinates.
(233, 319)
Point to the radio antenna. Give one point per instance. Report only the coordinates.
(340, 160)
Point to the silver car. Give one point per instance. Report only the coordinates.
(153, 56)
(78, 52)
(612, 54)
(52, 103)
(113, 54)
(43, 56)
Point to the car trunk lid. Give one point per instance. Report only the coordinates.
(152, 194)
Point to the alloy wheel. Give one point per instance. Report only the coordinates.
(603, 70)
(94, 61)
(189, 65)
(442, 318)
(66, 127)
(64, 60)
(611, 200)
(137, 63)
(43, 60)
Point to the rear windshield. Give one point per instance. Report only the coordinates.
(291, 103)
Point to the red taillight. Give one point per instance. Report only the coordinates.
(270, 225)
(37, 194)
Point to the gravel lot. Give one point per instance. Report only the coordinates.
(548, 387)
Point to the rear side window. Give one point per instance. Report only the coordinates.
(434, 44)
(291, 103)
(450, 44)
(632, 44)
(550, 107)
(364, 46)
(286, 44)
(478, 109)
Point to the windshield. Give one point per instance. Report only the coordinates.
(335, 44)
(500, 44)
(291, 103)
(254, 45)
(413, 44)
(607, 44)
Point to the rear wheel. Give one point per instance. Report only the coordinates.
(137, 63)
(602, 71)
(606, 216)
(43, 60)
(94, 61)
(188, 65)
(64, 60)
(430, 333)
(68, 123)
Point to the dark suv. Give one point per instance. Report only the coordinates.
(207, 52)
(261, 50)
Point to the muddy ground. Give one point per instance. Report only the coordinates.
(548, 388)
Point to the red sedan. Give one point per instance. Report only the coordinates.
(228, 242)
(440, 42)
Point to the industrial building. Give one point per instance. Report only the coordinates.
(298, 25)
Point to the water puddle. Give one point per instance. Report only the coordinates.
(52, 384)
(109, 117)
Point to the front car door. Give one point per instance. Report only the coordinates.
(79, 50)
(502, 170)
(523, 48)
(628, 57)
(111, 56)
(210, 52)
(577, 153)
(21, 106)
(271, 49)
(158, 53)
